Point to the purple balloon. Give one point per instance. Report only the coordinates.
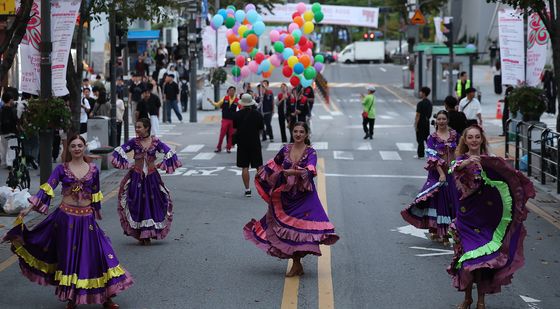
(318, 66)
(230, 12)
(236, 28)
(243, 44)
(249, 7)
(237, 79)
(282, 37)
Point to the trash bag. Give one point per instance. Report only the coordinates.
(16, 201)
(523, 163)
(4, 192)
(94, 144)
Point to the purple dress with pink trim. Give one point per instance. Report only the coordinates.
(68, 249)
(145, 208)
(488, 230)
(434, 207)
(295, 223)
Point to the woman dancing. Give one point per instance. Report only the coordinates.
(68, 249)
(434, 207)
(295, 223)
(488, 230)
(145, 207)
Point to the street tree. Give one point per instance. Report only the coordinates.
(13, 36)
(240, 4)
(552, 24)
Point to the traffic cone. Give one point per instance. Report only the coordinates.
(499, 106)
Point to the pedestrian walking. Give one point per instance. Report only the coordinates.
(85, 108)
(505, 113)
(135, 91)
(422, 120)
(149, 108)
(120, 116)
(368, 113)
(171, 93)
(248, 123)
(102, 107)
(434, 207)
(184, 95)
(145, 208)
(471, 107)
(283, 101)
(9, 127)
(295, 223)
(228, 104)
(462, 85)
(267, 107)
(488, 231)
(457, 120)
(68, 249)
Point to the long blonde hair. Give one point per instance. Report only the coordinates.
(463, 148)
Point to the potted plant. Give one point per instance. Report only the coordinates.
(52, 114)
(529, 101)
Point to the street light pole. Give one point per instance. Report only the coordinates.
(46, 135)
(113, 72)
(193, 68)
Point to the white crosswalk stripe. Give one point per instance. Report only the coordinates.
(320, 145)
(385, 117)
(274, 147)
(204, 156)
(326, 117)
(343, 155)
(364, 146)
(390, 155)
(193, 148)
(406, 147)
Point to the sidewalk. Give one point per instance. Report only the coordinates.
(547, 202)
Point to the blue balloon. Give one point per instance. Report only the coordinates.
(305, 82)
(298, 68)
(252, 16)
(217, 21)
(239, 16)
(259, 28)
(259, 69)
(287, 53)
(265, 65)
(223, 12)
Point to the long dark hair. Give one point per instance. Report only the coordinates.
(68, 155)
(305, 127)
(441, 112)
(146, 123)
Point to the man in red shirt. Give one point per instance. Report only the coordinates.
(228, 104)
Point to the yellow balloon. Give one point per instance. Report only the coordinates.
(235, 48)
(293, 60)
(308, 16)
(308, 27)
(271, 68)
(242, 30)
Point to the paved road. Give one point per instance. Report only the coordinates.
(379, 262)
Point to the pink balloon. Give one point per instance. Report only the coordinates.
(300, 7)
(249, 7)
(245, 72)
(253, 66)
(275, 60)
(292, 27)
(274, 36)
(229, 32)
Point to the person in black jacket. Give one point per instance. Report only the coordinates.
(8, 128)
(457, 120)
(248, 123)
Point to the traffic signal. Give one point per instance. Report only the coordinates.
(448, 32)
(183, 33)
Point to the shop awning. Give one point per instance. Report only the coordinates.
(143, 35)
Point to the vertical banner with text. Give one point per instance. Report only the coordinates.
(63, 21)
(537, 48)
(209, 49)
(512, 47)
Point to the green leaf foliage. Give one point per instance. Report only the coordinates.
(527, 100)
(50, 114)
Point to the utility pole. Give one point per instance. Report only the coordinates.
(216, 84)
(192, 10)
(113, 72)
(46, 135)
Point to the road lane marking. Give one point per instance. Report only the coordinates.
(343, 155)
(406, 147)
(204, 156)
(543, 214)
(437, 252)
(321, 145)
(387, 117)
(324, 267)
(376, 176)
(193, 148)
(390, 155)
(380, 126)
(383, 69)
(364, 146)
(412, 231)
(326, 117)
(291, 290)
(397, 95)
(274, 147)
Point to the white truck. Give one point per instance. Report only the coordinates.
(363, 51)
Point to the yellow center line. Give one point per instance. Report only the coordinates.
(291, 290)
(12, 259)
(537, 210)
(397, 95)
(325, 284)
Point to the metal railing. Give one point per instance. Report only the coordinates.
(538, 146)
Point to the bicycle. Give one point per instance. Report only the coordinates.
(18, 177)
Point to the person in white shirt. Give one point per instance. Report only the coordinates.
(120, 115)
(85, 107)
(470, 106)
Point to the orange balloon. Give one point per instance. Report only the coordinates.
(299, 21)
(252, 40)
(266, 74)
(289, 41)
(232, 38)
(305, 60)
(246, 22)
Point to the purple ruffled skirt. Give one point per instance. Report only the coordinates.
(70, 251)
(145, 208)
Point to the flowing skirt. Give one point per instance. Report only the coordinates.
(489, 231)
(145, 208)
(435, 206)
(70, 251)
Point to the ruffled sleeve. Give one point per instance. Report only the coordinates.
(42, 200)
(304, 181)
(434, 159)
(120, 159)
(96, 195)
(170, 160)
(267, 176)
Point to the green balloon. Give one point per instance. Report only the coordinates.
(319, 58)
(253, 53)
(235, 71)
(278, 47)
(246, 33)
(316, 8)
(231, 7)
(309, 73)
(319, 17)
(230, 22)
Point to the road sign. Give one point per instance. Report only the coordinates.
(7, 7)
(418, 18)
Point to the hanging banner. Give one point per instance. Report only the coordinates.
(209, 47)
(63, 20)
(537, 48)
(512, 46)
(334, 15)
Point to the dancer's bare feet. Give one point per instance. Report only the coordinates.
(296, 270)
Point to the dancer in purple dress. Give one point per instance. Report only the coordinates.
(145, 208)
(295, 223)
(488, 230)
(68, 249)
(434, 207)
